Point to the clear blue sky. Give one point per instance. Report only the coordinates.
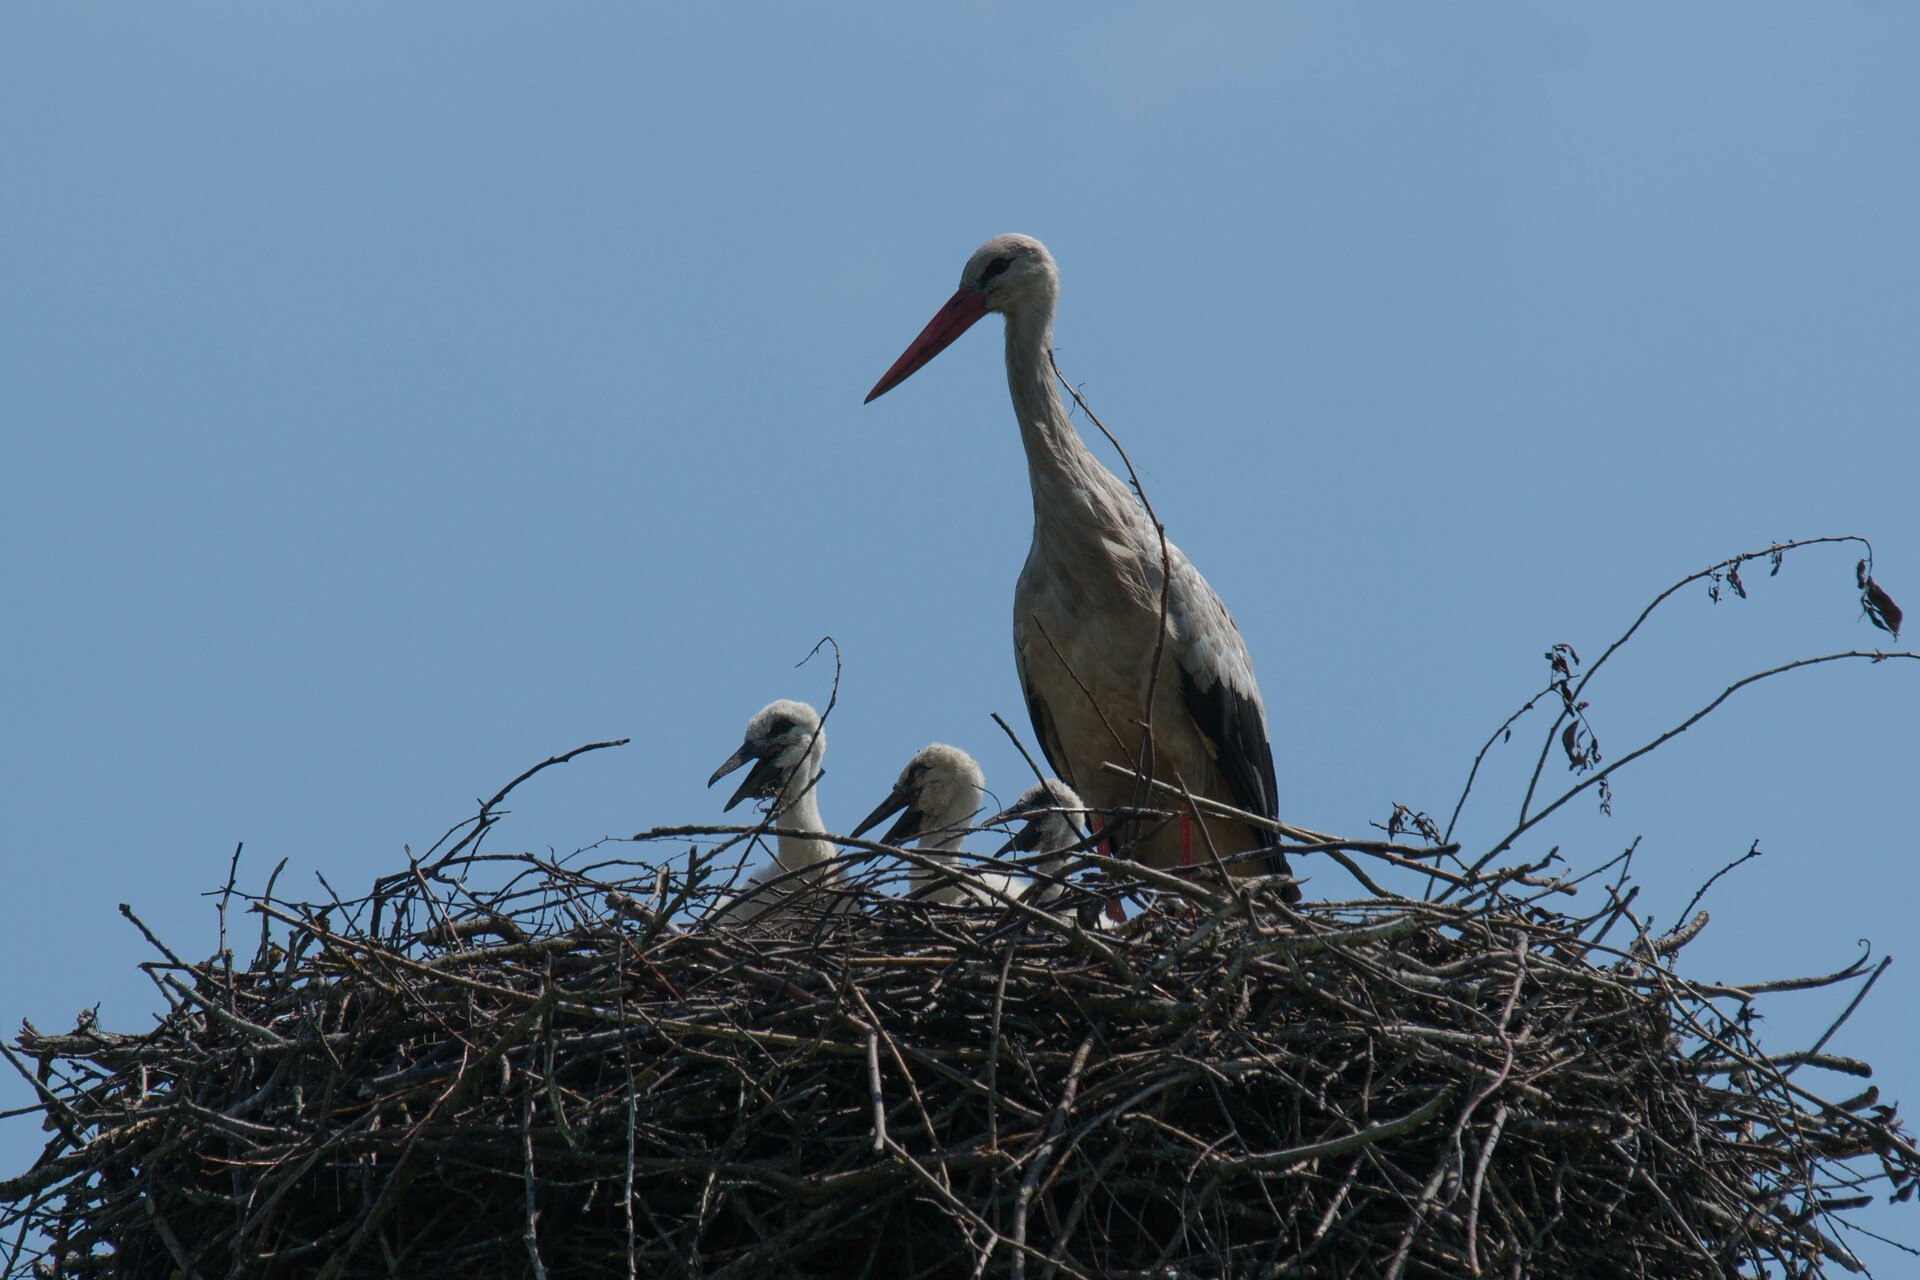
(394, 396)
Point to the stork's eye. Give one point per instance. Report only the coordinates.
(780, 726)
(994, 268)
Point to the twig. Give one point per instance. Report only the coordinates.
(879, 1097)
(1753, 851)
(487, 818)
(1144, 757)
(1019, 746)
(532, 1234)
(1845, 1013)
(1527, 824)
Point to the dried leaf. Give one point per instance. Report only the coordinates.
(1733, 580)
(1881, 610)
(1570, 741)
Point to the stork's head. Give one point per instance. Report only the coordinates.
(781, 738)
(938, 791)
(1051, 817)
(1008, 273)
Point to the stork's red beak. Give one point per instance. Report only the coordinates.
(964, 308)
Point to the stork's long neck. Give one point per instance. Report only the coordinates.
(1057, 834)
(802, 813)
(1064, 472)
(942, 844)
(948, 838)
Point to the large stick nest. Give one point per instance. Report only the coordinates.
(573, 1074)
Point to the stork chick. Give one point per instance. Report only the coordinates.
(786, 742)
(1050, 815)
(936, 797)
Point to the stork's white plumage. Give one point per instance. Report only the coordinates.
(1087, 606)
(936, 796)
(787, 743)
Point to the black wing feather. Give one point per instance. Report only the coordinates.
(1043, 731)
(1235, 727)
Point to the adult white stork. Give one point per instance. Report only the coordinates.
(1087, 607)
(936, 796)
(787, 743)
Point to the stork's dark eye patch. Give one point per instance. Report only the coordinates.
(994, 268)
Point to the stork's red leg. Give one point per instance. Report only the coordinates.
(1097, 823)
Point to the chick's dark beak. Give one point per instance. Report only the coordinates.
(1025, 836)
(905, 829)
(732, 762)
(762, 780)
(910, 825)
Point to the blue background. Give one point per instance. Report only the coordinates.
(395, 396)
